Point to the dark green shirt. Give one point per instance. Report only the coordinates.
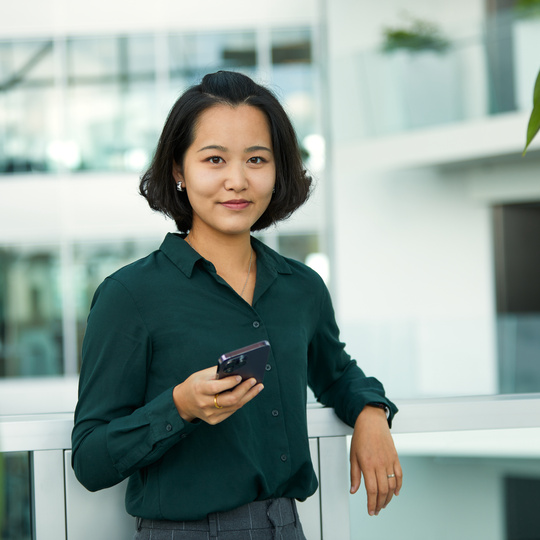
(158, 320)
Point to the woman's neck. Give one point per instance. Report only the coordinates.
(228, 252)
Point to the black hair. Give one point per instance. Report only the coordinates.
(292, 186)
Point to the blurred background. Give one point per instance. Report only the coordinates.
(425, 220)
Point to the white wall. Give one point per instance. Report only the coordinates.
(43, 209)
(72, 17)
(415, 283)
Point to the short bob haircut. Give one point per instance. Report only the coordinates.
(157, 185)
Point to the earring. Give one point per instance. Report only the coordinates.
(274, 190)
(179, 186)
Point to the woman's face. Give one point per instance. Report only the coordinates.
(229, 170)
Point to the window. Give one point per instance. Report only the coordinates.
(517, 267)
(30, 312)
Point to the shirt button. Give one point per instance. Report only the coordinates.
(256, 324)
(275, 412)
(168, 427)
(283, 457)
(268, 367)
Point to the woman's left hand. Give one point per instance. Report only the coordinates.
(374, 456)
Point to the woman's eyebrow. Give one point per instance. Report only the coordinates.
(213, 147)
(257, 148)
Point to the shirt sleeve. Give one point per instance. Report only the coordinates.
(116, 432)
(334, 377)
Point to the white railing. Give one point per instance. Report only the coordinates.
(64, 510)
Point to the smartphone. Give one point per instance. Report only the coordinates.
(248, 362)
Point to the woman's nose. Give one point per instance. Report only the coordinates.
(236, 179)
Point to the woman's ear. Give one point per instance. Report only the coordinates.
(177, 173)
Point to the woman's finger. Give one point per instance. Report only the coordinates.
(387, 492)
(216, 386)
(399, 476)
(372, 491)
(240, 395)
(356, 475)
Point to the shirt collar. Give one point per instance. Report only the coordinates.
(184, 256)
(269, 258)
(180, 252)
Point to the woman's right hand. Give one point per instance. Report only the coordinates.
(194, 398)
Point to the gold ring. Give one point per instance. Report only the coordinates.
(216, 404)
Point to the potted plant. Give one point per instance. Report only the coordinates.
(418, 36)
(421, 82)
(528, 8)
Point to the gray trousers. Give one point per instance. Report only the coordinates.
(275, 519)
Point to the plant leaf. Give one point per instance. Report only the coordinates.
(534, 121)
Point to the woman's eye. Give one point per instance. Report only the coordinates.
(215, 160)
(257, 160)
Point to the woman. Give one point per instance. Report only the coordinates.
(204, 455)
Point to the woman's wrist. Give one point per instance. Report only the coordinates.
(179, 402)
(381, 406)
(370, 413)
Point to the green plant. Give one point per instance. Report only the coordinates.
(534, 121)
(528, 8)
(418, 36)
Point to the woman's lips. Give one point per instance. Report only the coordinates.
(237, 204)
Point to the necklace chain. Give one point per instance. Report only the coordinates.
(249, 267)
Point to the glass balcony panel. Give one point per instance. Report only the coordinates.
(470, 498)
(15, 500)
(490, 71)
(406, 90)
(430, 357)
(526, 40)
(518, 340)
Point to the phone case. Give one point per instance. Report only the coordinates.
(249, 361)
